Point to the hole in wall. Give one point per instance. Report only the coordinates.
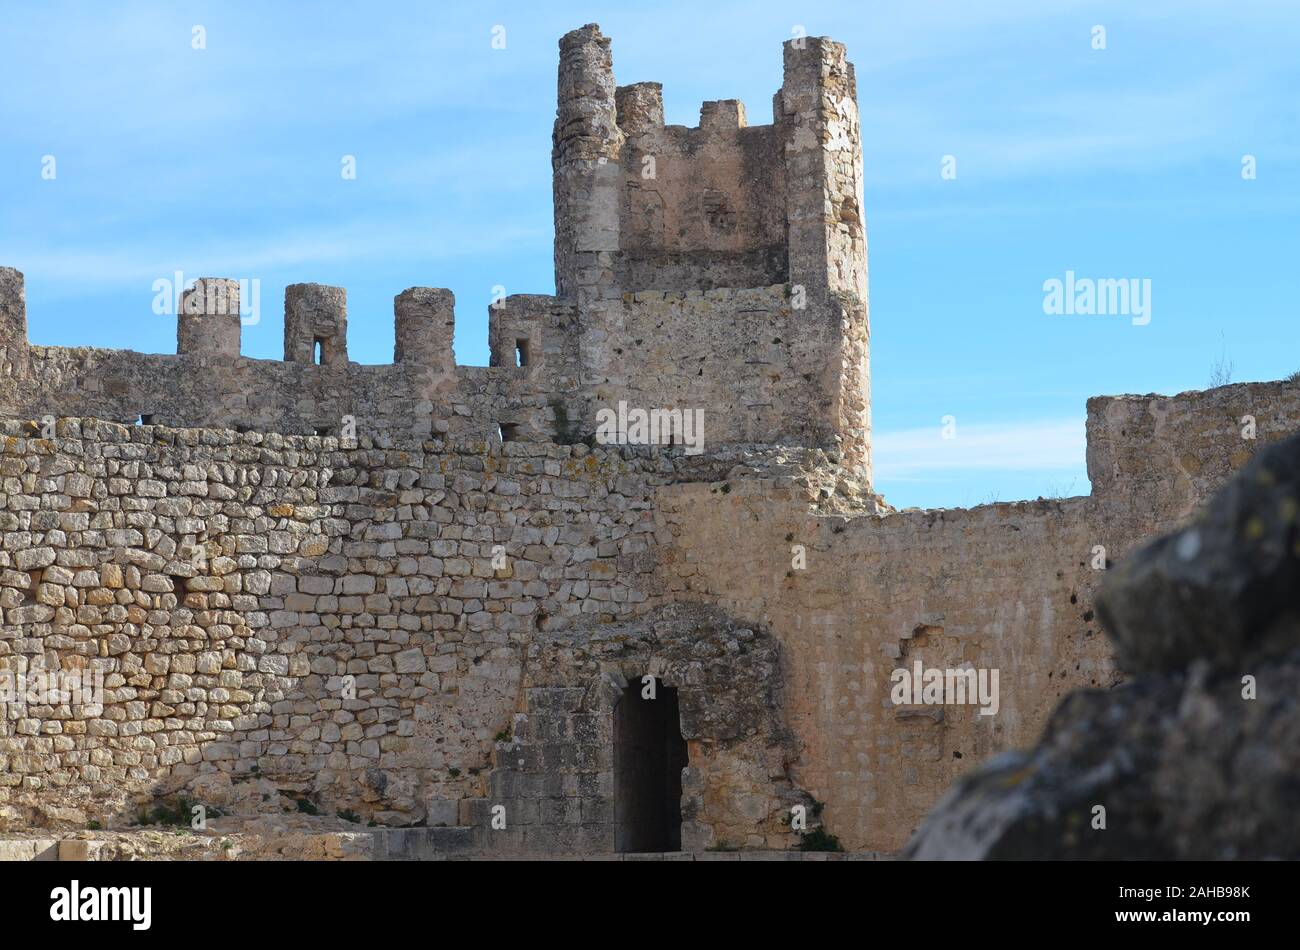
(522, 352)
(318, 351)
(508, 431)
(649, 755)
(29, 595)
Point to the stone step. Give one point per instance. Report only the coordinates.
(424, 844)
(29, 849)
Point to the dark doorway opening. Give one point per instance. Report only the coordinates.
(649, 755)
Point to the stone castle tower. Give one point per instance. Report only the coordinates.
(723, 265)
(719, 268)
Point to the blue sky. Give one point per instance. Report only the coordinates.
(1116, 163)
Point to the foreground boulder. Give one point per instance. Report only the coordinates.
(1197, 756)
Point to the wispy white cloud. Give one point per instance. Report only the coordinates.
(1053, 445)
(85, 270)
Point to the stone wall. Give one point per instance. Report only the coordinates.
(555, 774)
(1004, 586)
(228, 585)
(412, 593)
(1162, 456)
(224, 584)
(404, 634)
(702, 207)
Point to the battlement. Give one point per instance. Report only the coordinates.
(718, 269)
(641, 205)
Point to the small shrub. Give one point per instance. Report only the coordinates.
(1221, 370)
(819, 840)
(177, 813)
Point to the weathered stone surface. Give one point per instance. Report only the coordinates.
(1215, 589)
(1196, 756)
(1184, 767)
(376, 592)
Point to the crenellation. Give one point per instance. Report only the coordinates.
(316, 324)
(423, 328)
(722, 116)
(639, 108)
(209, 320)
(517, 327)
(13, 324)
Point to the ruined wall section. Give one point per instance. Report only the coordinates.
(556, 772)
(585, 174)
(533, 345)
(401, 634)
(13, 331)
(1006, 587)
(224, 669)
(816, 113)
(1002, 586)
(732, 355)
(1158, 457)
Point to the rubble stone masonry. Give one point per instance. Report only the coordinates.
(418, 593)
